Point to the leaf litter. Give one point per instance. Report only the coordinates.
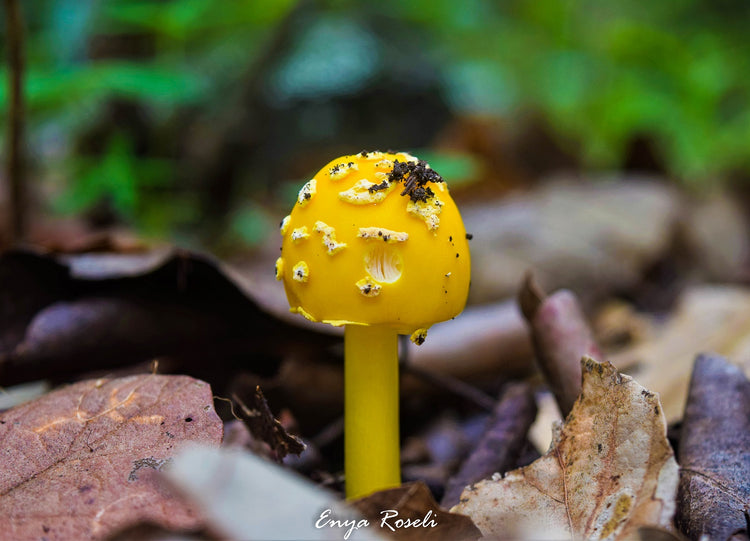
(714, 447)
(83, 461)
(45, 291)
(609, 471)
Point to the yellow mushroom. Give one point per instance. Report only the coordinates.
(393, 258)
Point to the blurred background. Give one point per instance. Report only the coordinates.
(157, 144)
(194, 122)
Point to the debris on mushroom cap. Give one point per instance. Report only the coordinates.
(369, 287)
(361, 193)
(279, 268)
(340, 170)
(284, 224)
(300, 233)
(381, 233)
(301, 272)
(416, 175)
(384, 183)
(307, 192)
(419, 336)
(329, 237)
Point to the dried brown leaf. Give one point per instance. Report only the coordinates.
(502, 441)
(63, 315)
(707, 318)
(609, 471)
(81, 462)
(264, 426)
(714, 490)
(561, 336)
(29, 282)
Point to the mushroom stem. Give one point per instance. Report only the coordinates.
(371, 433)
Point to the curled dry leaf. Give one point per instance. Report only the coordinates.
(610, 470)
(706, 318)
(561, 336)
(63, 315)
(714, 490)
(501, 444)
(264, 426)
(81, 462)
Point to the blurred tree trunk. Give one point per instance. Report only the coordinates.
(14, 151)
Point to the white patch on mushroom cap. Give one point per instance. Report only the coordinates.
(409, 157)
(368, 287)
(384, 164)
(301, 272)
(279, 268)
(329, 237)
(300, 233)
(285, 224)
(360, 193)
(381, 233)
(427, 211)
(340, 170)
(307, 192)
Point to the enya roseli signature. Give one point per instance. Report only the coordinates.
(388, 520)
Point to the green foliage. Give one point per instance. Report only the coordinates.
(251, 224)
(194, 51)
(121, 179)
(599, 73)
(603, 72)
(51, 91)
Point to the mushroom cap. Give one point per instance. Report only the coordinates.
(375, 239)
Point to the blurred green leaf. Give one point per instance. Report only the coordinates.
(153, 84)
(457, 168)
(251, 224)
(118, 177)
(603, 73)
(192, 19)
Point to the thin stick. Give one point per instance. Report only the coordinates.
(15, 165)
(501, 443)
(453, 385)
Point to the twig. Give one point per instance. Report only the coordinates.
(15, 162)
(530, 296)
(453, 385)
(561, 336)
